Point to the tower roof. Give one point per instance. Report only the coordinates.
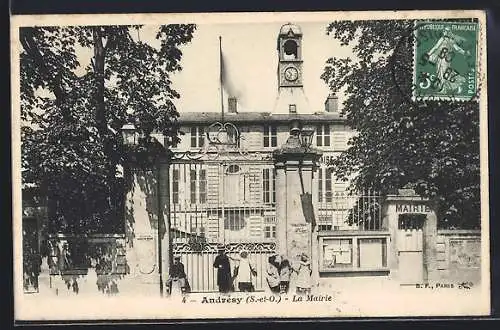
(295, 29)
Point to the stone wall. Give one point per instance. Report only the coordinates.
(458, 254)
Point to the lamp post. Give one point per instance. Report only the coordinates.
(130, 138)
(306, 136)
(129, 134)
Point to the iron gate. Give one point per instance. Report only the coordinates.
(230, 203)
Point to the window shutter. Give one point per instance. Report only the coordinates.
(212, 184)
(255, 184)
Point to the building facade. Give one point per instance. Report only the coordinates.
(224, 189)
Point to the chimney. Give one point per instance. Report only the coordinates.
(331, 103)
(232, 105)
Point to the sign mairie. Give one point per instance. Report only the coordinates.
(413, 208)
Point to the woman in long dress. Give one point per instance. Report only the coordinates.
(245, 271)
(273, 275)
(304, 271)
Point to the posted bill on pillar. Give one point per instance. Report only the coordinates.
(250, 165)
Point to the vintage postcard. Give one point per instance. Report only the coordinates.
(240, 165)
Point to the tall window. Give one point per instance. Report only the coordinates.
(175, 186)
(325, 185)
(270, 138)
(197, 185)
(197, 136)
(203, 186)
(320, 185)
(269, 185)
(234, 220)
(328, 185)
(192, 185)
(323, 135)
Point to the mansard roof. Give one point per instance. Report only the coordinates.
(259, 117)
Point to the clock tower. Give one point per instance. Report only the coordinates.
(291, 97)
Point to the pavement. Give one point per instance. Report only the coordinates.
(340, 297)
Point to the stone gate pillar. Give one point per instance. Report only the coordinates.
(407, 202)
(147, 217)
(292, 160)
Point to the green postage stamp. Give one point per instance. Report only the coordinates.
(445, 63)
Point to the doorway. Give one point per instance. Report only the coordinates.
(409, 243)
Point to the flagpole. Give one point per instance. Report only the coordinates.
(220, 78)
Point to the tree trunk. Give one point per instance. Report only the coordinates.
(99, 56)
(100, 114)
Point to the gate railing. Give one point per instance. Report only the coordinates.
(351, 212)
(221, 203)
(214, 203)
(198, 259)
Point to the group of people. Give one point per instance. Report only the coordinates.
(243, 272)
(279, 273)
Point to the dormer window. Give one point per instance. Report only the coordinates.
(323, 135)
(197, 136)
(270, 138)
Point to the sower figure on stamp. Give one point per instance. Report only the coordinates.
(244, 272)
(224, 279)
(177, 277)
(304, 272)
(441, 55)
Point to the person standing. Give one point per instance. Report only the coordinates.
(285, 270)
(304, 272)
(177, 275)
(224, 280)
(244, 272)
(273, 275)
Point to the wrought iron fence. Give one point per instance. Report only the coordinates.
(351, 212)
(215, 203)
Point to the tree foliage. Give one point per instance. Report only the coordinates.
(72, 115)
(430, 146)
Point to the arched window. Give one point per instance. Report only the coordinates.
(233, 169)
(290, 49)
(234, 220)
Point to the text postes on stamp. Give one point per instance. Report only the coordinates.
(445, 63)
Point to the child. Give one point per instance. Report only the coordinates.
(304, 275)
(285, 272)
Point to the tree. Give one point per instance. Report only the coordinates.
(430, 146)
(71, 140)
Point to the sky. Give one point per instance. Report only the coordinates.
(251, 60)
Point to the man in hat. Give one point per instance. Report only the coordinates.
(177, 273)
(224, 280)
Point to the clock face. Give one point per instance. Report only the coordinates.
(291, 74)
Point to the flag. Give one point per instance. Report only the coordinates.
(226, 80)
(307, 208)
